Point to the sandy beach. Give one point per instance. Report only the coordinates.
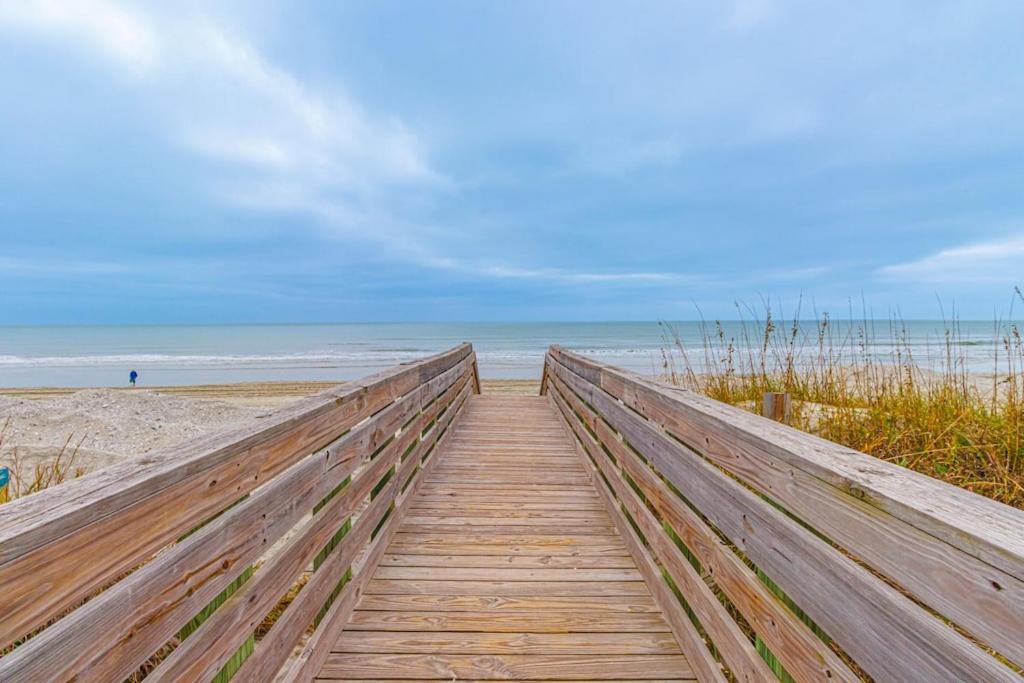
(106, 426)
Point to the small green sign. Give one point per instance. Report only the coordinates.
(5, 476)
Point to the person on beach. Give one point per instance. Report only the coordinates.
(132, 376)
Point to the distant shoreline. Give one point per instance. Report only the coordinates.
(321, 355)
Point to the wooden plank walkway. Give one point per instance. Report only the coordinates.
(507, 566)
(489, 537)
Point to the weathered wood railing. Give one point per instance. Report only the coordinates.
(183, 553)
(792, 552)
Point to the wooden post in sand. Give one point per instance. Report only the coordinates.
(776, 406)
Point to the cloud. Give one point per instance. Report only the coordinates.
(622, 158)
(223, 100)
(394, 234)
(123, 37)
(992, 261)
(285, 146)
(570, 276)
(748, 14)
(567, 276)
(50, 266)
(663, 139)
(253, 151)
(279, 144)
(326, 134)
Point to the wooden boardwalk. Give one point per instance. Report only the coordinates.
(404, 527)
(507, 565)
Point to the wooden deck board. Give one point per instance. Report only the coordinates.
(507, 566)
(339, 666)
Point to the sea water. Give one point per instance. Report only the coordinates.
(207, 354)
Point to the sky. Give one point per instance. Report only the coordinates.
(222, 162)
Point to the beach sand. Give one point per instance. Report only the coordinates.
(107, 426)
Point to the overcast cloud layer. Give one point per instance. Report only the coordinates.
(223, 162)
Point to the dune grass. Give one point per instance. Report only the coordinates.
(25, 480)
(928, 414)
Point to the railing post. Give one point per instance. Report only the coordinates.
(476, 376)
(776, 406)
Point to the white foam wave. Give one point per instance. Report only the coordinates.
(329, 359)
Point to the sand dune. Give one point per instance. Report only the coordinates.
(107, 426)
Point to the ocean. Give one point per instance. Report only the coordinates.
(86, 356)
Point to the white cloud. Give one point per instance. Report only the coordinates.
(231, 147)
(570, 276)
(51, 265)
(120, 35)
(280, 143)
(227, 101)
(992, 261)
(748, 14)
(264, 114)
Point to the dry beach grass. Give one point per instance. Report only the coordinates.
(928, 414)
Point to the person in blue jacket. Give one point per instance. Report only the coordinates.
(132, 376)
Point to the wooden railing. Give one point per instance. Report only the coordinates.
(173, 561)
(791, 554)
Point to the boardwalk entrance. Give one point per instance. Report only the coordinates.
(405, 527)
(507, 565)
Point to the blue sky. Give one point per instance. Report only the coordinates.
(336, 161)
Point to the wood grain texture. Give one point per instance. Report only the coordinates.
(505, 667)
(502, 643)
(418, 464)
(510, 588)
(960, 553)
(512, 537)
(203, 654)
(507, 574)
(62, 544)
(735, 649)
(503, 603)
(509, 621)
(690, 640)
(509, 561)
(503, 567)
(805, 656)
(114, 632)
(874, 621)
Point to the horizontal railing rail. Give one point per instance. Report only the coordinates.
(173, 562)
(777, 554)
